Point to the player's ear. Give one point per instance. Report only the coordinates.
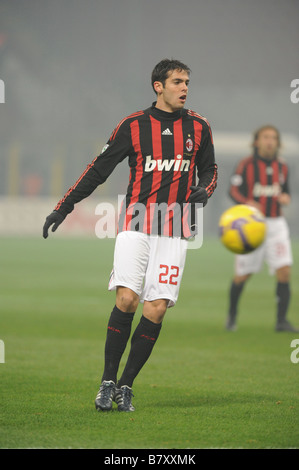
(158, 87)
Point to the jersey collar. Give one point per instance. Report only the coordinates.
(266, 160)
(159, 114)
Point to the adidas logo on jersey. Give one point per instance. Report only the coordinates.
(167, 132)
(179, 164)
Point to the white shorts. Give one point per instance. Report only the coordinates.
(152, 266)
(276, 250)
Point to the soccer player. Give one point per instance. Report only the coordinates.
(172, 165)
(261, 180)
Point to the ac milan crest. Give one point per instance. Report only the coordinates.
(189, 145)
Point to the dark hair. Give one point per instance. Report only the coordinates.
(256, 134)
(162, 69)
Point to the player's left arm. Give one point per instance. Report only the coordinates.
(207, 170)
(284, 197)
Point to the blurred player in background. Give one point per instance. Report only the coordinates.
(261, 180)
(168, 147)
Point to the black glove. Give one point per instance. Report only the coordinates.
(198, 194)
(54, 218)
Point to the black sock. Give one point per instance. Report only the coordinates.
(118, 333)
(142, 343)
(234, 295)
(283, 295)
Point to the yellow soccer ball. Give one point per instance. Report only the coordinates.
(242, 228)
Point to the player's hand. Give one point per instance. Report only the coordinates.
(54, 218)
(253, 203)
(198, 194)
(284, 199)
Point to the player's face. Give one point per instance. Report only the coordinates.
(267, 143)
(172, 96)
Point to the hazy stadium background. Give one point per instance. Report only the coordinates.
(73, 68)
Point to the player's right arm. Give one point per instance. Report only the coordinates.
(207, 169)
(96, 173)
(284, 197)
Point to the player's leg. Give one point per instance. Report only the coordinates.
(144, 339)
(235, 292)
(118, 333)
(283, 296)
(279, 258)
(142, 344)
(161, 287)
(245, 266)
(127, 277)
(119, 330)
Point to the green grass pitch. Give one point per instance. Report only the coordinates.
(203, 387)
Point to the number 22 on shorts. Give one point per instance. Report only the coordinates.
(168, 275)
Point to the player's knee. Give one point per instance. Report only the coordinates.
(155, 310)
(283, 274)
(159, 313)
(126, 299)
(241, 279)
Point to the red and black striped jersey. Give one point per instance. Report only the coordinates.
(166, 154)
(262, 180)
